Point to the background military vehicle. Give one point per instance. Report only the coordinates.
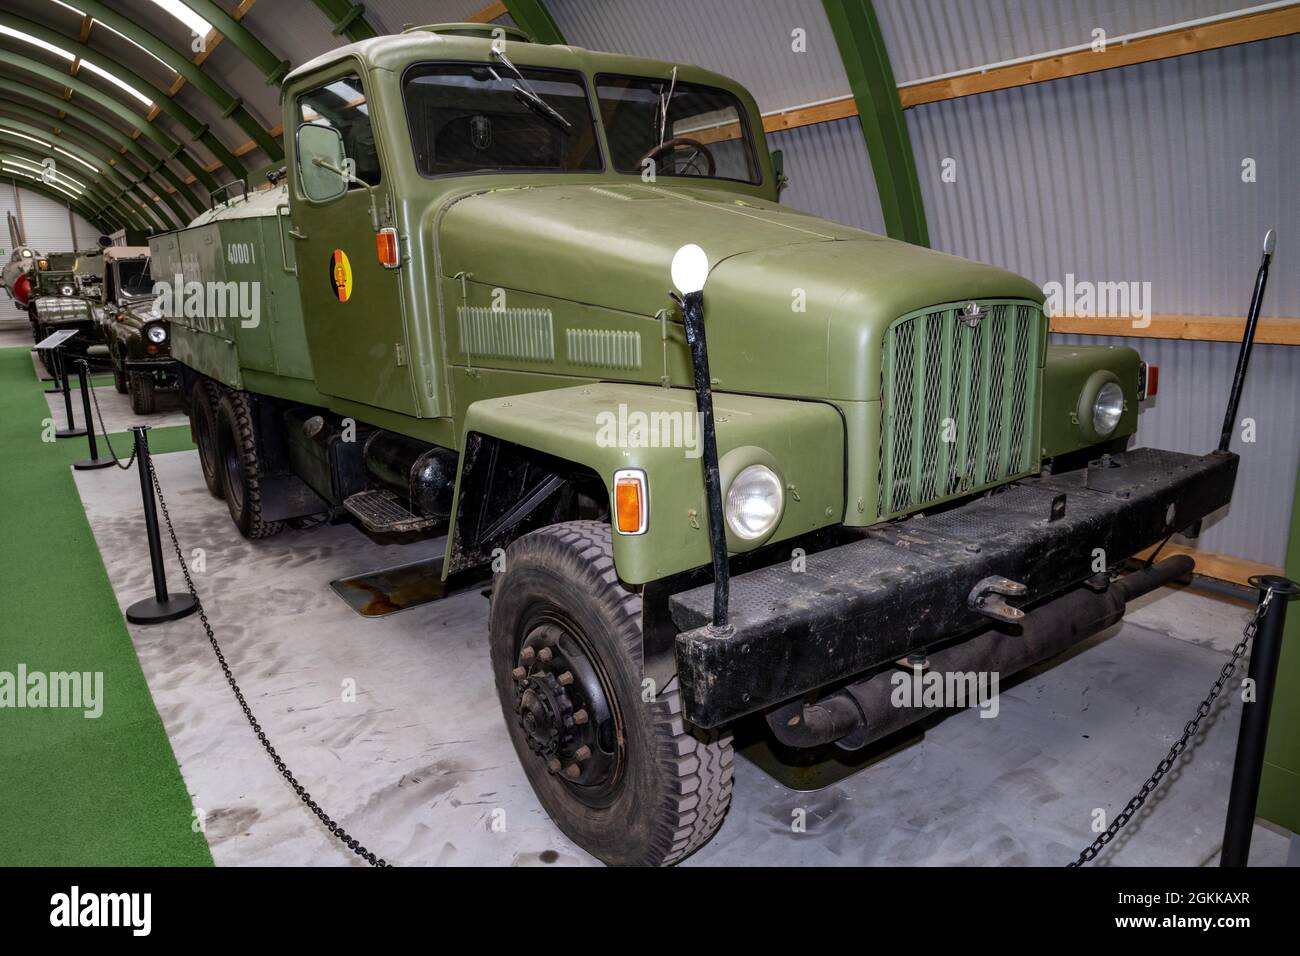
(65, 286)
(137, 336)
(466, 327)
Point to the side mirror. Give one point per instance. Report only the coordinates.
(778, 167)
(321, 162)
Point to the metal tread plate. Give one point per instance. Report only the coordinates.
(906, 584)
(381, 512)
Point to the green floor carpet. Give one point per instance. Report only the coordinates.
(74, 791)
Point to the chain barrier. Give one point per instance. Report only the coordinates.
(1090, 852)
(308, 801)
(100, 415)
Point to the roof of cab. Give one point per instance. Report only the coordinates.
(471, 41)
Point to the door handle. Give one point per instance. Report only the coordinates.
(297, 233)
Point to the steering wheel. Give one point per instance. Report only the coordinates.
(681, 142)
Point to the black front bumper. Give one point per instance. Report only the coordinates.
(906, 585)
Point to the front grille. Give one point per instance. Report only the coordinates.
(958, 403)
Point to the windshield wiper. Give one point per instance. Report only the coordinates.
(526, 95)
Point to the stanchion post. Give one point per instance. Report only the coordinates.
(1249, 763)
(162, 606)
(94, 461)
(72, 431)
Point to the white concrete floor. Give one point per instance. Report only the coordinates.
(419, 768)
(115, 409)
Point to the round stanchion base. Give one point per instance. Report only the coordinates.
(89, 464)
(153, 611)
(70, 433)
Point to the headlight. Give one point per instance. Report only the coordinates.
(1107, 409)
(754, 502)
(67, 290)
(157, 334)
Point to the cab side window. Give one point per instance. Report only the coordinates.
(342, 104)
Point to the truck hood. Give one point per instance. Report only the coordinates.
(795, 304)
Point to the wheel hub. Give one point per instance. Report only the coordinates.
(563, 709)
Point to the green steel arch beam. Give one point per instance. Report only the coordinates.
(271, 66)
(88, 205)
(161, 100)
(37, 186)
(119, 173)
(862, 48)
(534, 19)
(11, 118)
(96, 194)
(93, 197)
(119, 109)
(111, 136)
(232, 106)
(347, 19)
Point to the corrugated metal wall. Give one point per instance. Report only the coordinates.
(747, 41)
(930, 37)
(48, 230)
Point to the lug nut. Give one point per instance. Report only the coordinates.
(527, 655)
(519, 673)
(580, 717)
(553, 765)
(582, 753)
(572, 771)
(544, 654)
(565, 679)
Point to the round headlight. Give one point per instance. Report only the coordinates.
(1107, 409)
(157, 334)
(67, 289)
(754, 502)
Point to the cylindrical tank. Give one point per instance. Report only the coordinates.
(423, 475)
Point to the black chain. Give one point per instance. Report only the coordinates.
(337, 831)
(1189, 731)
(100, 415)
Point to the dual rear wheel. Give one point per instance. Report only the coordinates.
(223, 426)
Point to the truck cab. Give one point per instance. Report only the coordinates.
(475, 304)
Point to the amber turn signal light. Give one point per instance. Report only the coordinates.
(631, 501)
(386, 244)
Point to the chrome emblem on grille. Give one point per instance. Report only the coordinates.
(972, 315)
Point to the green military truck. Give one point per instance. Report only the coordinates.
(476, 305)
(136, 336)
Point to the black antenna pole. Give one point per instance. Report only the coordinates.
(1247, 342)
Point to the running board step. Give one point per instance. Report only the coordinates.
(382, 512)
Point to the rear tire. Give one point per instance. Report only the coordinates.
(140, 385)
(203, 429)
(652, 788)
(237, 457)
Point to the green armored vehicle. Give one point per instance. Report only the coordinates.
(64, 287)
(726, 459)
(136, 335)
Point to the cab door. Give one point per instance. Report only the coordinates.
(351, 303)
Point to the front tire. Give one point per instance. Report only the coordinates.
(565, 638)
(237, 456)
(140, 385)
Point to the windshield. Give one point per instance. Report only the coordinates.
(134, 278)
(703, 133)
(471, 117)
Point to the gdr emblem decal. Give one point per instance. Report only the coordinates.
(341, 275)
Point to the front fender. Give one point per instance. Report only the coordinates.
(1068, 372)
(606, 427)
